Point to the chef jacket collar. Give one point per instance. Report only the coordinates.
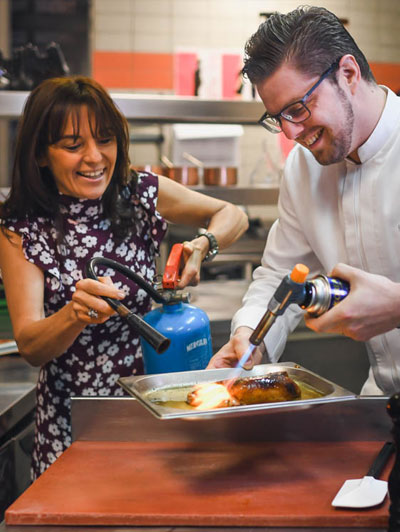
(384, 128)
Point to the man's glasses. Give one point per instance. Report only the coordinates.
(295, 112)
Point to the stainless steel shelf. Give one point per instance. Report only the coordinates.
(12, 103)
(254, 195)
(160, 109)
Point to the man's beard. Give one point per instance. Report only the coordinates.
(341, 142)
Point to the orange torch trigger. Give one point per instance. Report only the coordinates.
(171, 273)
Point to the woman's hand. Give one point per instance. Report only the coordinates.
(230, 354)
(87, 303)
(192, 257)
(371, 308)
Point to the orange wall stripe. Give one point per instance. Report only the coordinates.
(387, 74)
(133, 70)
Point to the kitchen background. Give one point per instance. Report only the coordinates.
(166, 51)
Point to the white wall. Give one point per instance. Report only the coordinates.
(164, 25)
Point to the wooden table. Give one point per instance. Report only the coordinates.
(148, 472)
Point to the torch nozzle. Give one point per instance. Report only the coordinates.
(291, 290)
(262, 328)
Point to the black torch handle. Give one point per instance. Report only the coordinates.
(157, 340)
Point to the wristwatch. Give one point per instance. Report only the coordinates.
(213, 249)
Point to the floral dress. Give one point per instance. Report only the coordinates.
(102, 352)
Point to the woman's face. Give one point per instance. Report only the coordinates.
(82, 166)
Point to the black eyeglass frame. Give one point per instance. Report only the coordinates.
(278, 127)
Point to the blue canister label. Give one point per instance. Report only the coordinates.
(188, 329)
(339, 289)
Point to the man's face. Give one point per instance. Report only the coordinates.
(328, 132)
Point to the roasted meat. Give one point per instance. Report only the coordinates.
(265, 389)
(245, 391)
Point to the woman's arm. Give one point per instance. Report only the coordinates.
(41, 339)
(181, 205)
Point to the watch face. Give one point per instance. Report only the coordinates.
(210, 255)
(213, 246)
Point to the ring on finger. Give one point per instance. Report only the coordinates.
(93, 313)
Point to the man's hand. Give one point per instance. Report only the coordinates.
(371, 308)
(229, 355)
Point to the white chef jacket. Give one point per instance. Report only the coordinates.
(344, 212)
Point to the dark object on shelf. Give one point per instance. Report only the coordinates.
(197, 79)
(393, 409)
(257, 229)
(28, 67)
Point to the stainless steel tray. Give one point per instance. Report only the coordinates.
(150, 388)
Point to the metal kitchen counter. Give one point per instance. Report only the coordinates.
(17, 391)
(17, 407)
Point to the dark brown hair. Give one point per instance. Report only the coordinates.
(47, 109)
(311, 38)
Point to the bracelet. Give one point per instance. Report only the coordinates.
(213, 249)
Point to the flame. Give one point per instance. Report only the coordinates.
(210, 395)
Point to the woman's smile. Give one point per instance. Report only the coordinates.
(92, 175)
(82, 164)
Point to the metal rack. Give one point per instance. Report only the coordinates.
(160, 109)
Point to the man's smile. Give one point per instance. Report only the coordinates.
(311, 140)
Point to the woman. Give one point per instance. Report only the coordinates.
(73, 197)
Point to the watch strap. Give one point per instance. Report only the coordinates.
(213, 245)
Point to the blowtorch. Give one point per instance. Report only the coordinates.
(316, 296)
(181, 332)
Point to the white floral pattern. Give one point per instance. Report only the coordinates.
(102, 353)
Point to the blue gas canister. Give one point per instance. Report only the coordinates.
(186, 326)
(188, 329)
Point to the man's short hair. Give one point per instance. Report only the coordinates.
(310, 38)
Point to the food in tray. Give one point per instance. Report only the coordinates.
(210, 395)
(266, 389)
(270, 388)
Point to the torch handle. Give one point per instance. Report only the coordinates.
(291, 290)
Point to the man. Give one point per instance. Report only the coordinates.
(339, 205)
